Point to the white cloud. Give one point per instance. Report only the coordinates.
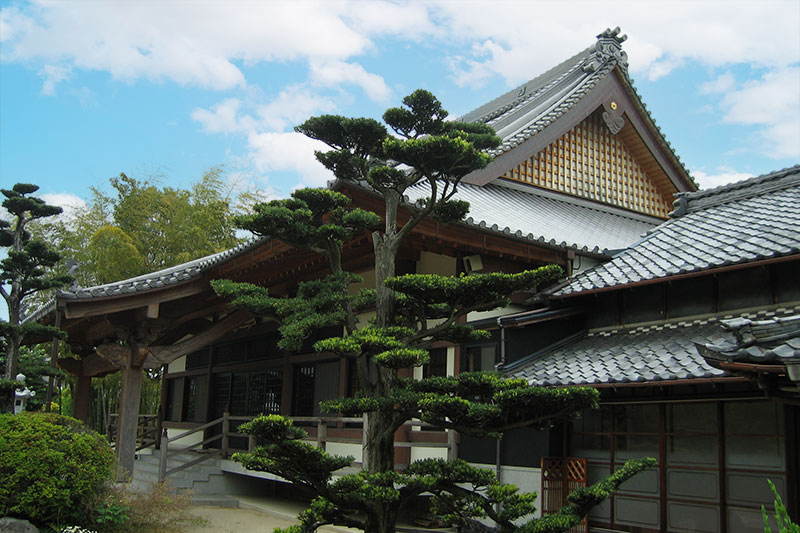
(720, 177)
(722, 84)
(773, 104)
(269, 148)
(53, 75)
(663, 35)
(69, 202)
(192, 43)
(334, 72)
(223, 118)
(289, 152)
(293, 105)
(203, 43)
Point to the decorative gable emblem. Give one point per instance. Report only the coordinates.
(608, 48)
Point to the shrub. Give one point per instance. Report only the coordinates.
(53, 470)
(160, 510)
(785, 524)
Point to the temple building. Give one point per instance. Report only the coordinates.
(655, 273)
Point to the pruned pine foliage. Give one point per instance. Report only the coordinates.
(25, 271)
(411, 313)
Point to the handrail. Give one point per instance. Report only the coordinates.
(321, 438)
(163, 472)
(147, 430)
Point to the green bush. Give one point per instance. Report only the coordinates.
(53, 470)
(785, 524)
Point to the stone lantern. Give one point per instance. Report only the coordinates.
(21, 396)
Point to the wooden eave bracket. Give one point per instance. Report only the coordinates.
(167, 354)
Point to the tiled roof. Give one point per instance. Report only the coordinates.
(546, 218)
(735, 224)
(776, 340)
(656, 354)
(154, 280)
(168, 276)
(524, 111)
(528, 109)
(666, 351)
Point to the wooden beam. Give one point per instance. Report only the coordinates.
(85, 307)
(116, 354)
(167, 354)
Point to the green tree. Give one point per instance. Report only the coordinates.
(23, 273)
(141, 227)
(412, 312)
(34, 363)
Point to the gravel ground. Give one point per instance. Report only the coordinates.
(233, 520)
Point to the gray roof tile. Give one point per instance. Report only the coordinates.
(624, 357)
(529, 108)
(541, 217)
(746, 221)
(776, 339)
(161, 278)
(660, 352)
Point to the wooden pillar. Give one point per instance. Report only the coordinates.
(83, 393)
(129, 412)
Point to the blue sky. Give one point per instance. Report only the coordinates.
(89, 89)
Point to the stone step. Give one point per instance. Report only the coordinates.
(204, 478)
(215, 500)
(201, 468)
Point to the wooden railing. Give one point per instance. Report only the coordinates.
(148, 430)
(322, 431)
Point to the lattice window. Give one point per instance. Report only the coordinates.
(590, 162)
(560, 477)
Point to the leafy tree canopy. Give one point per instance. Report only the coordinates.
(141, 227)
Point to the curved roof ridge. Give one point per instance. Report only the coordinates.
(166, 276)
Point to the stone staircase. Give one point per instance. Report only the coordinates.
(203, 479)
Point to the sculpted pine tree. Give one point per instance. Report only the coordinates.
(411, 312)
(23, 272)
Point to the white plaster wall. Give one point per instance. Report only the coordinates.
(430, 263)
(178, 365)
(368, 283)
(186, 441)
(343, 448)
(525, 478)
(423, 452)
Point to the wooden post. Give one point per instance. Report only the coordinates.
(162, 459)
(226, 428)
(129, 412)
(452, 445)
(53, 360)
(83, 393)
(364, 441)
(322, 430)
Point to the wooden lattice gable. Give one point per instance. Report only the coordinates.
(590, 162)
(581, 129)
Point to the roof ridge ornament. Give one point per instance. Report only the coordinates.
(608, 48)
